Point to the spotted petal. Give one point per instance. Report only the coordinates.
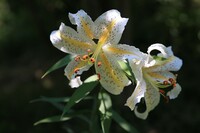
(69, 41)
(123, 51)
(161, 76)
(152, 98)
(112, 78)
(110, 26)
(85, 25)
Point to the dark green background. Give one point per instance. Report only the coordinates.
(26, 53)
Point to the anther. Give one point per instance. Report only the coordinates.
(92, 60)
(77, 58)
(171, 80)
(85, 57)
(99, 76)
(165, 82)
(162, 91)
(76, 70)
(99, 64)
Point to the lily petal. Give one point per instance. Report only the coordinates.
(170, 64)
(152, 98)
(75, 68)
(174, 92)
(85, 25)
(112, 78)
(110, 26)
(69, 41)
(123, 51)
(140, 89)
(161, 76)
(165, 51)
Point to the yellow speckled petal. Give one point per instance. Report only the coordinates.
(76, 68)
(152, 98)
(109, 27)
(68, 40)
(123, 51)
(161, 76)
(112, 78)
(85, 25)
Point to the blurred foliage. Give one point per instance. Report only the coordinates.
(26, 53)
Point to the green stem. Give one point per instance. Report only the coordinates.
(94, 117)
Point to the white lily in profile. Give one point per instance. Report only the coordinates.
(154, 77)
(107, 30)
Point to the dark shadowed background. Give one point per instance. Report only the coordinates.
(26, 53)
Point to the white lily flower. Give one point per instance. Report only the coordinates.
(107, 29)
(154, 78)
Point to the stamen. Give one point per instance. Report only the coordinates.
(92, 60)
(99, 64)
(99, 76)
(85, 57)
(77, 58)
(76, 70)
(171, 80)
(162, 92)
(165, 82)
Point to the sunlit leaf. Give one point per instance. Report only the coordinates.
(127, 70)
(61, 63)
(92, 78)
(80, 93)
(105, 110)
(123, 123)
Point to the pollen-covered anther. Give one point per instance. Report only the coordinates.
(99, 76)
(76, 70)
(77, 58)
(162, 92)
(85, 57)
(92, 60)
(165, 82)
(173, 82)
(99, 64)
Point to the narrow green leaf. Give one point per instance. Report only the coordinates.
(53, 119)
(51, 99)
(66, 117)
(123, 123)
(105, 110)
(62, 62)
(79, 94)
(54, 101)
